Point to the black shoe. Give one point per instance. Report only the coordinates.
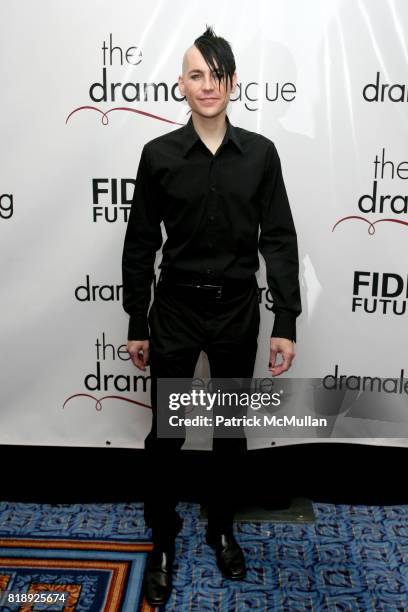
(229, 555)
(157, 583)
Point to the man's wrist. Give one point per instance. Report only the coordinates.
(284, 325)
(138, 328)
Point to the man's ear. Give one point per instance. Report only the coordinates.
(181, 84)
(234, 82)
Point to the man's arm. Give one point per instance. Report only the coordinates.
(278, 246)
(143, 238)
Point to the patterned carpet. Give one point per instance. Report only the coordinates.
(75, 576)
(353, 558)
(84, 557)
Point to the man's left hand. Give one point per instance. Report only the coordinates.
(284, 347)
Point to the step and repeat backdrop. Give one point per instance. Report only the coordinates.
(84, 86)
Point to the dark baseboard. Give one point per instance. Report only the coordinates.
(335, 473)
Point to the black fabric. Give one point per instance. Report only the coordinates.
(218, 212)
(182, 325)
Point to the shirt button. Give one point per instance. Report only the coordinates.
(212, 188)
(211, 217)
(210, 244)
(209, 271)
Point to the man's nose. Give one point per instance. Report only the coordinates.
(208, 82)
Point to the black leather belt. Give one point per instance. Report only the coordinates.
(215, 290)
(202, 289)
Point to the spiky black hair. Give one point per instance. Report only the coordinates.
(217, 53)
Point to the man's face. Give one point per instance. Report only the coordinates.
(205, 95)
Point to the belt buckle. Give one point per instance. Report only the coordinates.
(217, 287)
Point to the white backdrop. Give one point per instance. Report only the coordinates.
(325, 80)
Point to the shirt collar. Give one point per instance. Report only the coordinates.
(190, 136)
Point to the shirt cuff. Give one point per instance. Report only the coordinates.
(284, 325)
(138, 328)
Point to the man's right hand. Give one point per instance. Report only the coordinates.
(139, 352)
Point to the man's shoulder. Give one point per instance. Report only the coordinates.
(249, 138)
(173, 137)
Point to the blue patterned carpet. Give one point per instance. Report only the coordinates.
(353, 558)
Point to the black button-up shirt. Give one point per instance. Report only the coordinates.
(217, 210)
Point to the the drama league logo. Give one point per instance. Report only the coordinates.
(6, 205)
(338, 381)
(88, 291)
(385, 92)
(383, 293)
(392, 207)
(371, 397)
(102, 385)
(108, 89)
(92, 291)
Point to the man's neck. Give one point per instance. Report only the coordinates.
(211, 130)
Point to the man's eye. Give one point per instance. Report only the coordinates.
(195, 77)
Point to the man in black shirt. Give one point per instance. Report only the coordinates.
(219, 191)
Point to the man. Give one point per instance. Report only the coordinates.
(214, 186)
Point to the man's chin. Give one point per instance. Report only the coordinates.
(209, 113)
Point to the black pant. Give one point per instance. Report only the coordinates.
(183, 321)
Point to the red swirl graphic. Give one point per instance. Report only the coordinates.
(98, 402)
(371, 228)
(104, 114)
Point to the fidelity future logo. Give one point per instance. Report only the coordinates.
(126, 60)
(383, 293)
(111, 199)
